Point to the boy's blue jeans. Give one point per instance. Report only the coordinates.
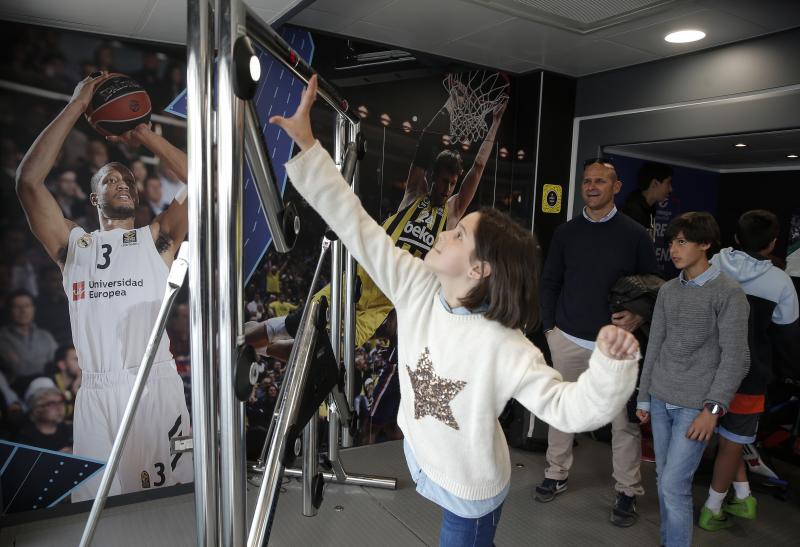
(462, 532)
(677, 459)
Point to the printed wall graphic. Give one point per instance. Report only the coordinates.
(87, 300)
(692, 190)
(278, 93)
(35, 478)
(441, 144)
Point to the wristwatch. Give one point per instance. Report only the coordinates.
(715, 409)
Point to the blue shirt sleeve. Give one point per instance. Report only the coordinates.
(786, 311)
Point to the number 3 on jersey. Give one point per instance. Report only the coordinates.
(106, 258)
(160, 472)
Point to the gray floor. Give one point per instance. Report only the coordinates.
(401, 518)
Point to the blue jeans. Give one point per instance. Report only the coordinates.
(677, 459)
(461, 532)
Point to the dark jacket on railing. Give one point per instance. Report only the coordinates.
(637, 294)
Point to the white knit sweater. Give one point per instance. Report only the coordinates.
(457, 372)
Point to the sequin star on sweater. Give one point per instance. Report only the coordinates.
(457, 371)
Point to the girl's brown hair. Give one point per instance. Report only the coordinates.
(511, 290)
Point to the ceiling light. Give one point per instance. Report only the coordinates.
(792, 156)
(740, 145)
(685, 36)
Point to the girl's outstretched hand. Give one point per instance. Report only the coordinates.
(617, 343)
(298, 127)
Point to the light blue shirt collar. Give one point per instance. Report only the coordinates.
(606, 218)
(701, 279)
(460, 310)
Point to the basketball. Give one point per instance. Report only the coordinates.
(118, 105)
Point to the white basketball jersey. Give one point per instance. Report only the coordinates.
(114, 281)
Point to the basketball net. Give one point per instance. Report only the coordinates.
(473, 95)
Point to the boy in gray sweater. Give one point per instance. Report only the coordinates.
(697, 356)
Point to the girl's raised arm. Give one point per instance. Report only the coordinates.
(314, 174)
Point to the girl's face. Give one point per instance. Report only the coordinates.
(451, 255)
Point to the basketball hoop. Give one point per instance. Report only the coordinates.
(473, 95)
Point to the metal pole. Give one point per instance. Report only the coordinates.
(201, 298)
(310, 464)
(340, 144)
(268, 39)
(175, 279)
(326, 243)
(350, 308)
(333, 439)
(294, 385)
(337, 252)
(353, 479)
(283, 223)
(230, 120)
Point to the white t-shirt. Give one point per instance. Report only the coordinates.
(115, 282)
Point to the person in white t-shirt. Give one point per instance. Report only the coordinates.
(115, 280)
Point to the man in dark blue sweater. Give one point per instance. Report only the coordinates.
(587, 256)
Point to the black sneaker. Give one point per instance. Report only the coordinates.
(624, 512)
(549, 489)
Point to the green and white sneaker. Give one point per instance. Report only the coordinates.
(742, 508)
(713, 522)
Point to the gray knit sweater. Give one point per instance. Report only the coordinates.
(697, 351)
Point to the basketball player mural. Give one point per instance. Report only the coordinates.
(115, 279)
(428, 207)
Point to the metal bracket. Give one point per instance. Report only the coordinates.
(178, 445)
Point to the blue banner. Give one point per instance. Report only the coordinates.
(278, 93)
(692, 190)
(33, 478)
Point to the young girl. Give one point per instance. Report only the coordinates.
(462, 354)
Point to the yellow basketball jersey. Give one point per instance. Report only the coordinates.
(413, 229)
(416, 227)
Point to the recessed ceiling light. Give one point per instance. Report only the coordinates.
(740, 145)
(793, 156)
(685, 36)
